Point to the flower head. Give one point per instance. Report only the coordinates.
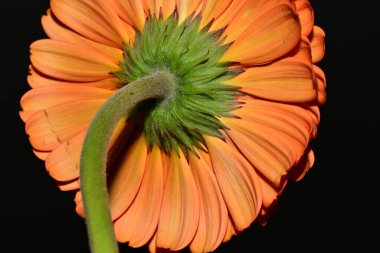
(211, 158)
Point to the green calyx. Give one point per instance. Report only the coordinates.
(191, 56)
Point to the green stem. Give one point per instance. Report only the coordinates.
(94, 154)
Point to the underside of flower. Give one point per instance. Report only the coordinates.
(178, 123)
(192, 57)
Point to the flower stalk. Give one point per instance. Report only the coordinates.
(158, 85)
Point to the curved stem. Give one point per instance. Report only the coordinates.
(94, 154)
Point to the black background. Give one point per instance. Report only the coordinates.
(335, 208)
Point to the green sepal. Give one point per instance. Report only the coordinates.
(202, 96)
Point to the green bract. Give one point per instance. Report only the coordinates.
(192, 57)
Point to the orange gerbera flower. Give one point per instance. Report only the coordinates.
(205, 164)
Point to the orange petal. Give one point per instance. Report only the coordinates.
(241, 14)
(180, 207)
(186, 7)
(272, 138)
(57, 32)
(152, 245)
(69, 186)
(36, 79)
(212, 9)
(317, 42)
(79, 204)
(306, 16)
(237, 180)
(266, 159)
(285, 81)
(225, 19)
(138, 224)
(290, 119)
(268, 37)
(127, 177)
(49, 128)
(63, 163)
(41, 155)
(315, 117)
(132, 11)
(165, 165)
(153, 248)
(270, 192)
(48, 96)
(320, 75)
(153, 7)
(166, 7)
(213, 211)
(321, 81)
(230, 231)
(302, 52)
(303, 166)
(268, 210)
(61, 60)
(94, 19)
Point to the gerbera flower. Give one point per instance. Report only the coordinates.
(213, 156)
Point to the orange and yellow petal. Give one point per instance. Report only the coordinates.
(58, 32)
(154, 249)
(49, 128)
(131, 11)
(270, 36)
(306, 16)
(315, 117)
(79, 204)
(152, 7)
(213, 211)
(212, 9)
(69, 185)
(301, 52)
(321, 82)
(303, 166)
(230, 231)
(241, 14)
(42, 155)
(44, 97)
(270, 191)
(290, 119)
(179, 216)
(168, 7)
(317, 43)
(36, 79)
(61, 60)
(238, 182)
(157, 7)
(63, 163)
(127, 177)
(138, 224)
(93, 19)
(224, 20)
(260, 122)
(284, 81)
(186, 7)
(260, 153)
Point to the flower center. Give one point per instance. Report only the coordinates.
(191, 56)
